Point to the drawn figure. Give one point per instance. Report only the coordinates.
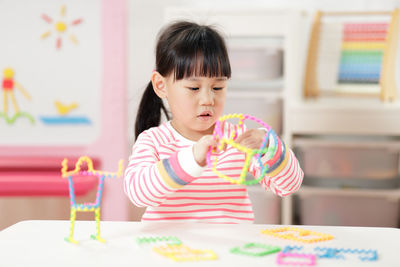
(60, 27)
(8, 90)
(64, 109)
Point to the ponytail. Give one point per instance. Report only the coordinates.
(149, 112)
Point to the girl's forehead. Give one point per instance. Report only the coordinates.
(202, 78)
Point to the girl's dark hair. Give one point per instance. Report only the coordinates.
(184, 49)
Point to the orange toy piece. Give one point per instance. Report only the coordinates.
(297, 234)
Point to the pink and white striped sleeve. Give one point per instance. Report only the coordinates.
(284, 175)
(149, 180)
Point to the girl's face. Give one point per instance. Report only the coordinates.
(196, 103)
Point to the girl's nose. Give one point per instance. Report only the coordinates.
(206, 97)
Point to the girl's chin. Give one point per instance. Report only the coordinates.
(205, 118)
(206, 127)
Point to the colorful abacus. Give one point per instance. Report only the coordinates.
(363, 45)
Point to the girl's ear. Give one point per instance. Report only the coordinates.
(159, 84)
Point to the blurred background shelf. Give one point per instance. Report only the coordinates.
(390, 194)
(259, 85)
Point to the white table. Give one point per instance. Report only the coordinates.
(41, 243)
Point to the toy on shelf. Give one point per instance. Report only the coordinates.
(353, 53)
(269, 150)
(297, 234)
(87, 207)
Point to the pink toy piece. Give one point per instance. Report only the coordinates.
(310, 259)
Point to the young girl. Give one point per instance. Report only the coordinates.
(167, 171)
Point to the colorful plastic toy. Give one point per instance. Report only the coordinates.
(86, 207)
(169, 240)
(181, 253)
(281, 259)
(297, 234)
(338, 253)
(250, 153)
(335, 253)
(255, 249)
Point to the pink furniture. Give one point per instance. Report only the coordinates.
(39, 176)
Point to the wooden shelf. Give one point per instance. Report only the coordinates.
(343, 116)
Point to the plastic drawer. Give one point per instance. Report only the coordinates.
(348, 210)
(349, 167)
(256, 63)
(266, 205)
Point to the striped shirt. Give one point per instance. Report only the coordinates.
(163, 176)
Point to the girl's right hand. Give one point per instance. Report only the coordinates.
(201, 148)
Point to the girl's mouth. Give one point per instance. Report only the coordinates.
(205, 115)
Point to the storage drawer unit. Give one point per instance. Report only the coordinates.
(266, 205)
(356, 167)
(339, 210)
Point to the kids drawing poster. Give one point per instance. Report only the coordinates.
(50, 72)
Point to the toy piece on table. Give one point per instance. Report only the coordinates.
(87, 207)
(297, 234)
(255, 249)
(268, 151)
(181, 253)
(363, 254)
(329, 253)
(169, 240)
(335, 253)
(282, 259)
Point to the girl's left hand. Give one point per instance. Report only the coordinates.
(252, 138)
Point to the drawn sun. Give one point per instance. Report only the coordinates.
(60, 27)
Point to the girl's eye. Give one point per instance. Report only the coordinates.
(218, 88)
(193, 88)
